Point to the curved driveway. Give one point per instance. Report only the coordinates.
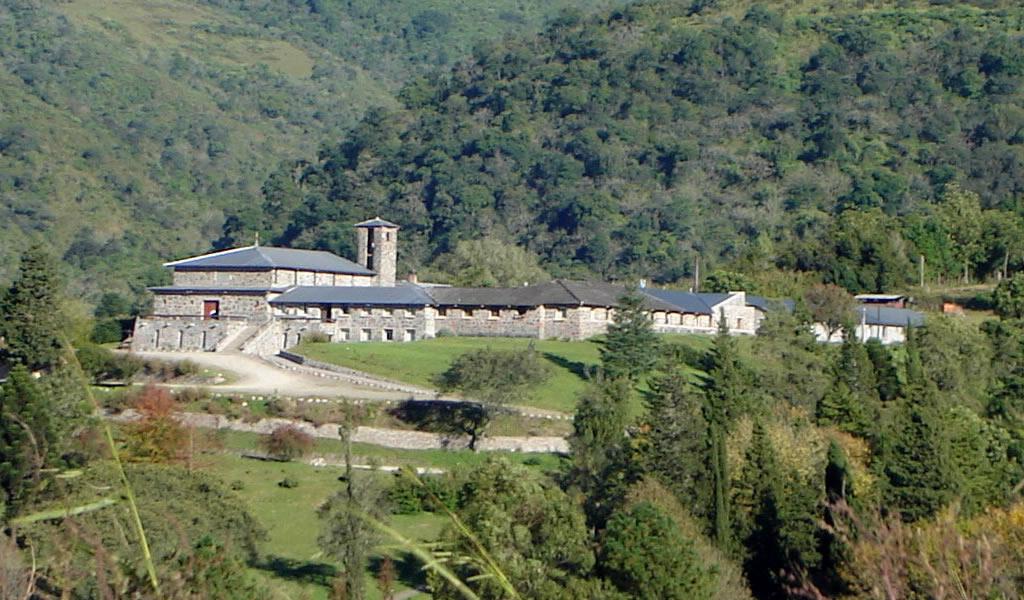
(253, 375)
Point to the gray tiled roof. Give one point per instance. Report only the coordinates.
(400, 295)
(889, 316)
(256, 258)
(554, 293)
(687, 302)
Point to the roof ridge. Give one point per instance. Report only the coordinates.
(218, 253)
(561, 282)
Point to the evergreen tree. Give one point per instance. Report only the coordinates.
(725, 397)
(886, 375)
(24, 437)
(630, 348)
(602, 466)
(918, 468)
(31, 310)
(676, 450)
(852, 404)
(646, 556)
(766, 559)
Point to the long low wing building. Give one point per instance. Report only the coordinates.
(261, 300)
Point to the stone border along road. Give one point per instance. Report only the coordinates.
(389, 438)
(261, 378)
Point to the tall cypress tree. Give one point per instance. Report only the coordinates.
(630, 348)
(30, 311)
(918, 468)
(725, 397)
(767, 557)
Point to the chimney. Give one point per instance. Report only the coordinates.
(412, 278)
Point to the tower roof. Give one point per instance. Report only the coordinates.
(377, 222)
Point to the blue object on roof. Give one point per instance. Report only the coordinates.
(377, 222)
(889, 316)
(400, 295)
(260, 258)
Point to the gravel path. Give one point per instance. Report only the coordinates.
(277, 376)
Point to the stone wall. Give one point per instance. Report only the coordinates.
(245, 306)
(183, 335)
(378, 251)
(252, 279)
(497, 322)
(405, 324)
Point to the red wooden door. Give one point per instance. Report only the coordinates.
(211, 309)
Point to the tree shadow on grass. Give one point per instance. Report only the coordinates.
(580, 369)
(301, 571)
(408, 568)
(450, 418)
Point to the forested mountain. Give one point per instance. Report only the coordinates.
(127, 129)
(840, 139)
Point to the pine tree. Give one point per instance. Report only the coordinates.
(25, 436)
(767, 557)
(31, 309)
(852, 404)
(676, 447)
(630, 348)
(918, 468)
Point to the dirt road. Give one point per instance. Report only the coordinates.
(252, 375)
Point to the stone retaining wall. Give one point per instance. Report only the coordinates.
(389, 438)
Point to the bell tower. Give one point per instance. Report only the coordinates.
(378, 249)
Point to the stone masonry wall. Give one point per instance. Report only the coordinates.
(182, 335)
(246, 306)
(253, 279)
(291, 277)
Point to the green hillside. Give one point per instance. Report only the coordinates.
(762, 138)
(129, 128)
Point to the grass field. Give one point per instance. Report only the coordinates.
(292, 560)
(420, 362)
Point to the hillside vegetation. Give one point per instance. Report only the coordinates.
(129, 129)
(840, 139)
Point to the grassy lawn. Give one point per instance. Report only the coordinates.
(292, 559)
(420, 362)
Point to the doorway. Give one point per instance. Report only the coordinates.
(211, 309)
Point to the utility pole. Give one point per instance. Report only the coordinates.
(696, 273)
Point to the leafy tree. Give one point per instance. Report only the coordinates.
(528, 527)
(1008, 297)
(32, 308)
(635, 556)
(630, 348)
(979, 455)
(494, 378)
(489, 263)
(112, 304)
(349, 532)
(829, 305)
(727, 281)
(157, 436)
(961, 216)
(287, 442)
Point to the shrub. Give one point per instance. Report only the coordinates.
(288, 482)
(237, 485)
(187, 368)
(409, 497)
(106, 331)
(288, 442)
(316, 337)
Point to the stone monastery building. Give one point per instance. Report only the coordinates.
(261, 300)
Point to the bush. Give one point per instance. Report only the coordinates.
(288, 442)
(288, 482)
(408, 496)
(106, 331)
(187, 368)
(237, 485)
(317, 337)
(100, 364)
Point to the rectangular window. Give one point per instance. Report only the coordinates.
(389, 335)
(442, 313)
(467, 313)
(494, 313)
(343, 335)
(522, 312)
(560, 314)
(365, 335)
(410, 335)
